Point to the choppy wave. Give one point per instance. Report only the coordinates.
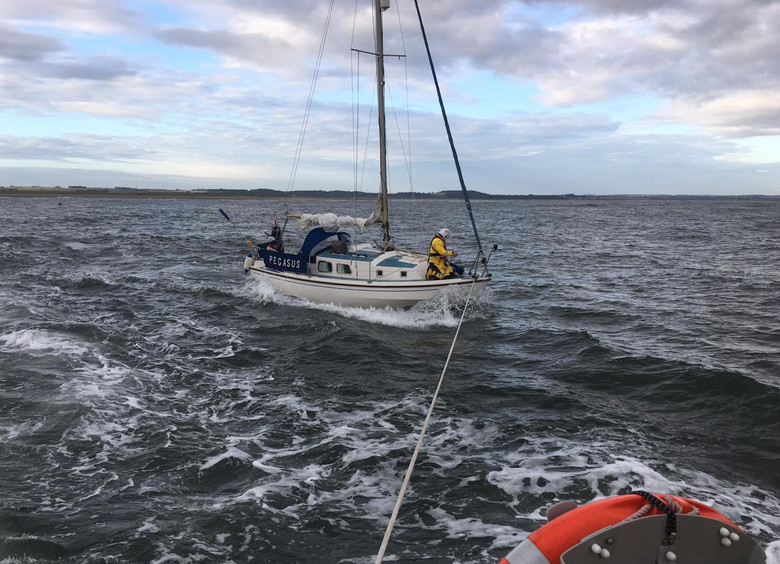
(158, 407)
(34, 341)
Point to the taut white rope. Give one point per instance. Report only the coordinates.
(412, 462)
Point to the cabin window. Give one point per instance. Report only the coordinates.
(343, 269)
(403, 274)
(379, 273)
(324, 266)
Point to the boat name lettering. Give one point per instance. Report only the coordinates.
(284, 262)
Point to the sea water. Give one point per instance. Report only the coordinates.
(158, 406)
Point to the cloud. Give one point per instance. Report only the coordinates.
(95, 68)
(21, 46)
(254, 50)
(264, 36)
(715, 63)
(77, 148)
(96, 86)
(672, 52)
(743, 113)
(618, 94)
(76, 16)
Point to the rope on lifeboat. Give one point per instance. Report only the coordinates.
(412, 462)
(671, 509)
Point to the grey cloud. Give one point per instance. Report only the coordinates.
(735, 48)
(222, 41)
(83, 15)
(532, 48)
(296, 10)
(642, 7)
(615, 6)
(97, 148)
(485, 36)
(684, 49)
(305, 16)
(98, 68)
(44, 56)
(23, 46)
(247, 47)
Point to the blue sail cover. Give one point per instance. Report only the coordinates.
(297, 263)
(317, 236)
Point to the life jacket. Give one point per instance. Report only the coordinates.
(438, 265)
(626, 529)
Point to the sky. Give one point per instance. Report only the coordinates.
(543, 96)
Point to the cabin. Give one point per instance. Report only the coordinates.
(334, 255)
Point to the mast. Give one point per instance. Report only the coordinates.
(379, 7)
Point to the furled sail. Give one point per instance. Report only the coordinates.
(331, 222)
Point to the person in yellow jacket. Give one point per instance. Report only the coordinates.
(438, 257)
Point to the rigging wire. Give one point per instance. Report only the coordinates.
(362, 171)
(412, 462)
(307, 113)
(447, 127)
(355, 59)
(407, 158)
(408, 113)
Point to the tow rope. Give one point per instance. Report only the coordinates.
(671, 517)
(412, 462)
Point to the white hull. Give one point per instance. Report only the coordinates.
(364, 293)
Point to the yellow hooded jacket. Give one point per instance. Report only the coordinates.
(438, 265)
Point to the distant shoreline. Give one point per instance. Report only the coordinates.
(261, 194)
(267, 194)
(150, 194)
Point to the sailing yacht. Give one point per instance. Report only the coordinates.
(330, 267)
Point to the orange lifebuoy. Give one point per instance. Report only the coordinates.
(548, 543)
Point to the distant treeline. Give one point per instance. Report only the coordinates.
(124, 191)
(128, 192)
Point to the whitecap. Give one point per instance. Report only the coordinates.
(433, 314)
(773, 552)
(148, 527)
(227, 352)
(260, 465)
(232, 452)
(108, 371)
(24, 429)
(40, 340)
